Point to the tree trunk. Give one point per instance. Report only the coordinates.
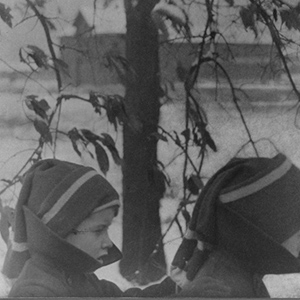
(142, 187)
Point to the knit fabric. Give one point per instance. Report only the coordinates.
(61, 195)
(249, 207)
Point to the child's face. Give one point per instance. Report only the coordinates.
(91, 235)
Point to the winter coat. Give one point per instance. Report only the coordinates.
(236, 266)
(224, 276)
(42, 278)
(58, 269)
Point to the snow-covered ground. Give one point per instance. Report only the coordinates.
(270, 125)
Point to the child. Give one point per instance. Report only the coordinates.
(245, 224)
(60, 235)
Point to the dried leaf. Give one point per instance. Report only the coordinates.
(194, 184)
(102, 158)
(191, 77)
(74, 136)
(39, 56)
(39, 107)
(209, 141)
(75, 147)
(28, 100)
(186, 133)
(186, 215)
(159, 136)
(197, 180)
(42, 128)
(116, 157)
(43, 104)
(89, 135)
(247, 15)
(22, 59)
(275, 14)
(5, 15)
(107, 141)
(94, 100)
(111, 113)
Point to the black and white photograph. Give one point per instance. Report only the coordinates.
(150, 148)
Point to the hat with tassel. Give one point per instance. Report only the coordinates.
(248, 208)
(60, 195)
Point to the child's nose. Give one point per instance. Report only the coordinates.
(107, 243)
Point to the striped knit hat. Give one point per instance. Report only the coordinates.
(61, 195)
(248, 208)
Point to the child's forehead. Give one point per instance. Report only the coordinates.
(102, 217)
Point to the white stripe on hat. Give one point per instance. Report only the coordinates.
(109, 204)
(200, 245)
(257, 185)
(67, 195)
(19, 247)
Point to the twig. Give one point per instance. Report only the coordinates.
(179, 145)
(16, 178)
(49, 42)
(235, 100)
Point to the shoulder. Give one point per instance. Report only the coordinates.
(31, 289)
(36, 282)
(220, 276)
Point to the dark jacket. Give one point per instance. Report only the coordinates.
(236, 265)
(224, 276)
(58, 269)
(42, 277)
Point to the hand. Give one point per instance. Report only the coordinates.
(205, 287)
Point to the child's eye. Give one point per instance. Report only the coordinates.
(96, 231)
(100, 230)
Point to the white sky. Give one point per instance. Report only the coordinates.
(31, 32)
